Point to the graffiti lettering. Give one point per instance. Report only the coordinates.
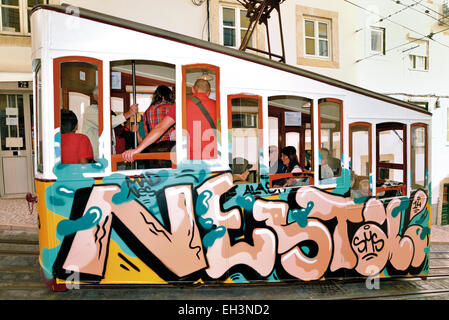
(309, 236)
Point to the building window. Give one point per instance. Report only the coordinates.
(419, 56)
(316, 38)
(15, 15)
(378, 40)
(235, 23)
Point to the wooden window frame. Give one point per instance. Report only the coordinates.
(370, 145)
(340, 102)
(57, 86)
(215, 69)
(426, 150)
(260, 124)
(384, 126)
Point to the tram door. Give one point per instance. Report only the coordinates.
(16, 149)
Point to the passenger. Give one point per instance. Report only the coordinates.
(240, 170)
(161, 103)
(325, 170)
(75, 147)
(201, 117)
(90, 121)
(290, 160)
(276, 165)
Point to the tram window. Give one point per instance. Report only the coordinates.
(290, 125)
(360, 157)
(418, 156)
(391, 160)
(80, 92)
(201, 111)
(38, 115)
(330, 141)
(245, 124)
(138, 82)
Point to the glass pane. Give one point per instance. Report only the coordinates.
(360, 161)
(202, 138)
(10, 19)
(11, 2)
(292, 139)
(391, 146)
(390, 183)
(242, 35)
(330, 149)
(418, 157)
(309, 28)
(228, 37)
(324, 50)
(273, 131)
(310, 46)
(228, 17)
(32, 3)
(244, 20)
(40, 162)
(79, 119)
(322, 30)
(245, 140)
(12, 122)
(376, 41)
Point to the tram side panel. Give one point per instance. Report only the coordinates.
(203, 228)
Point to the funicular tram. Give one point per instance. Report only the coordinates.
(115, 222)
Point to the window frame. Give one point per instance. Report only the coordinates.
(370, 145)
(304, 12)
(340, 102)
(238, 29)
(215, 69)
(57, 92)
(380, 30)
(316, 21)
(426, 153)
(260, 124)
(24, 11)
(413, 57)
(385, 126)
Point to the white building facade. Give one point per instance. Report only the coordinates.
(392, 47)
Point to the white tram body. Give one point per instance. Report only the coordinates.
(314, 231)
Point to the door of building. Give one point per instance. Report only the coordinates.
(16, 174)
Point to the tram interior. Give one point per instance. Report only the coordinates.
(290, 123)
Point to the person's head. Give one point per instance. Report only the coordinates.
(273, 153)
(69, 121)
(201, 85)
(163, 93)
(95, 94)
(241, 166)
(324, 153)
(289, 157)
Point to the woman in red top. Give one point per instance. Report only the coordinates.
(75, 147)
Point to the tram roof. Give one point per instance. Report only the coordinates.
(173, 36)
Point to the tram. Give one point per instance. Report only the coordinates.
(111, 222)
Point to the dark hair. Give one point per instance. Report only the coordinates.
(68, 121)
(290, 152)
(163, 93)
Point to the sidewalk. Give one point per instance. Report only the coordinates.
(15, 214)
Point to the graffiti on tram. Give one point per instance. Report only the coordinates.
(189, 225)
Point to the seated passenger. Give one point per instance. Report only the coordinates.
(240, 170)
(75, 147)
(290, 160)
(325, 170)
(359, 186)
(276, 165)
